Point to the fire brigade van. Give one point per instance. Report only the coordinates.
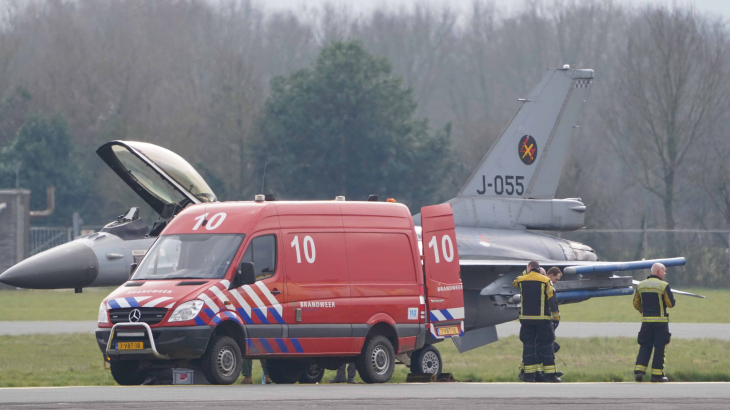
(300, 284)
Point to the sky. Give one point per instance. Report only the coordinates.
(720, 8)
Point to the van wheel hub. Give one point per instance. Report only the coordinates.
(380, 360)
(226, 361)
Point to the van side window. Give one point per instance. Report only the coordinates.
(262, 252)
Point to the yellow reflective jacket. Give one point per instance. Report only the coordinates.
(538, 297)
(652, 298)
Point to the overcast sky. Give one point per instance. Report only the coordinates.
(718, 7)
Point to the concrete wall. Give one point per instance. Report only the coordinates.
(14, 227)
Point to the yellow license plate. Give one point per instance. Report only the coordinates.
(130, 346)
(447, 331)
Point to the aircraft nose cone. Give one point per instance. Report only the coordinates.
(71, 265)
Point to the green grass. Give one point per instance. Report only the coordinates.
(66, 305)
(621, 309)
(51, 304)
(71, 360)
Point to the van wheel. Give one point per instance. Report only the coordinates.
(284, 371)
(377, 361)
(312, 374)
(426, 360)
(222, 361)
(127, 373)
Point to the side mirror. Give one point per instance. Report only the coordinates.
(132, 268)
(246, 274)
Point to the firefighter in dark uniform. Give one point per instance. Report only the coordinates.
(652, 298)
(538, 312)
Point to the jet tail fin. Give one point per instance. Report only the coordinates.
(527, 160)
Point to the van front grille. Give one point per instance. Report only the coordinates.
(151, 316)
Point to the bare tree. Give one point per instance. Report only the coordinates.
(669, 96)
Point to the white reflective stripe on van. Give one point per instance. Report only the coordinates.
(259, 304)
(208, 301)
(241, 301)
(274, 303)
(219, 294)
(455, 313)
(157, 301)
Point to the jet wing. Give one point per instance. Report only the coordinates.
(600, 283)
(676, 292)
(579, 267)
(607, 267)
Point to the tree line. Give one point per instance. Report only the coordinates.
(225, 84)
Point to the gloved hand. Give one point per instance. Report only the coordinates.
(555, 324)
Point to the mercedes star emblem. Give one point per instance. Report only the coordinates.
(135, 315)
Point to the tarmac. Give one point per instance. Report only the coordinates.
(514, 396)
(569, 329)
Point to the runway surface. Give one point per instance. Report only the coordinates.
(569, 329)
(391, 396)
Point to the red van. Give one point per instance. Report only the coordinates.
(302, 284)
(297, 283)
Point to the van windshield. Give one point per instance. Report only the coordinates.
(190, 256)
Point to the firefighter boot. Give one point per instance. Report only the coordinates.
(659, 379)
(639, 376)
(528, 378)
(552, 378)
(539, 377)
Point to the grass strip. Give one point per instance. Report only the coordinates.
(66, 305)
(75, 360)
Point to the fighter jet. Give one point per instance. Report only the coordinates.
(163, 179)
(509, 196)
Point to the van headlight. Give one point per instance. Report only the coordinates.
(103, 318)
(186, 311)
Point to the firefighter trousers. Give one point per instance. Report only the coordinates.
(537, 338)
(656, 336)
(248, 366)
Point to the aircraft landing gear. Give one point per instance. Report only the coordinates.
(426, 360)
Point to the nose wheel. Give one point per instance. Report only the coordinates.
(426, 360)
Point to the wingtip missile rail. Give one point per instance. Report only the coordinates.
(621, 266)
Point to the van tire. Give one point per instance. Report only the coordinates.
(426, 360)
(222, 361)
(127, 373)
(377, 360)
(284, 371)
(312, 374)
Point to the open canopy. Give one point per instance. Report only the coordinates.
(157, 175)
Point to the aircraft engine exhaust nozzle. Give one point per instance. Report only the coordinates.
(71, 265)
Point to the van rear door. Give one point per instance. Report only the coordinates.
(444, 291)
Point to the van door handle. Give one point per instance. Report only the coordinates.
(276, 291)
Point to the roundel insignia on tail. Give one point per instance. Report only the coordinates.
(527, 149)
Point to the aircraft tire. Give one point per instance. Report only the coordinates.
(426, 360)
(312, 374)
(377, 361)
(127, 373)
(222, 361)
(285, 371)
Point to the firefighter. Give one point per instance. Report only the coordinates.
(539, 307)
(554, 274)
(340, 377)
(652, 298)
(246, 372)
